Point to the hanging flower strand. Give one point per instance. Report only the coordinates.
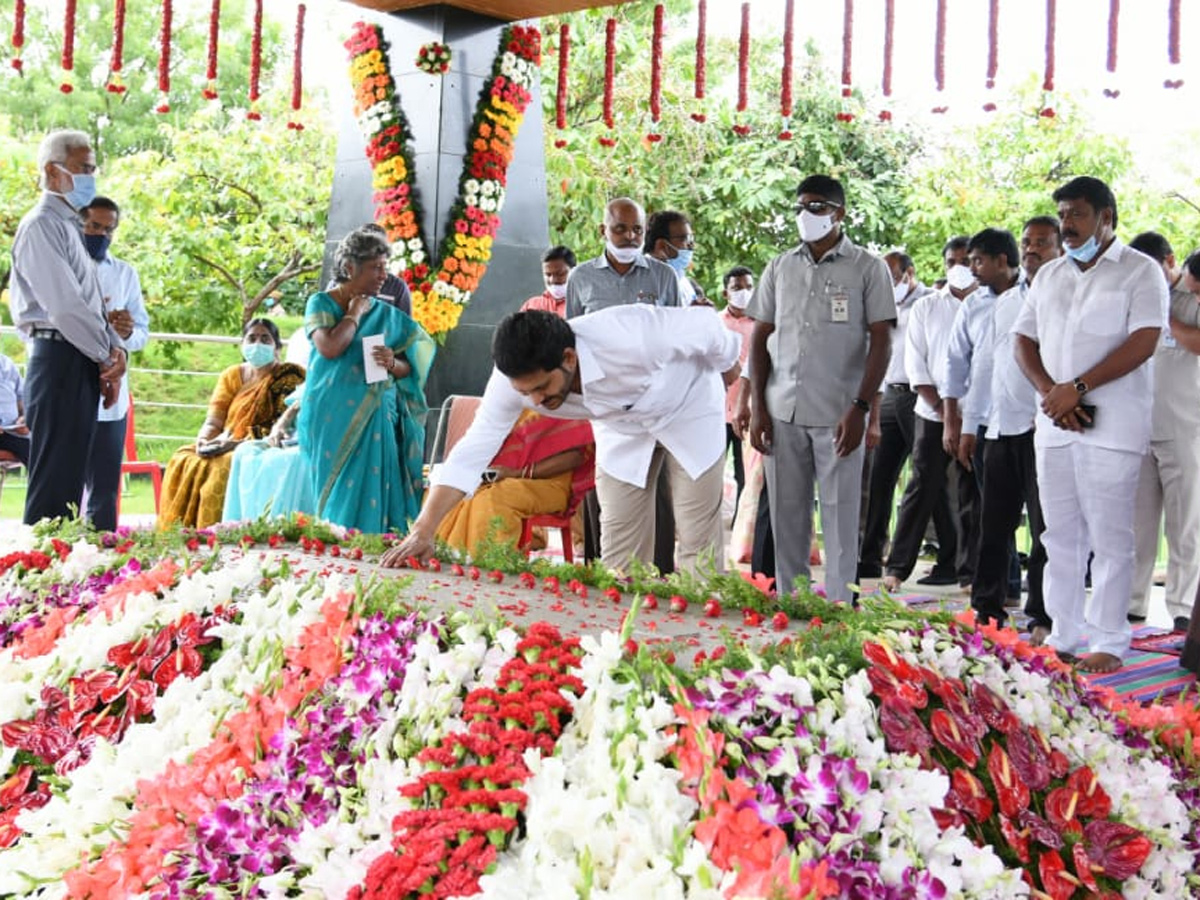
(847, 56)
(889, 44)
(117, 60)
(1110, 62)
(993, 60)
(214, 27)
(1047, 112)
(18, 35)
(164, 60)
(560, 93)
(743, 69)
(255, 61)
(1173, 42)
(297, 68)
(701, 56)
(939, 50)
(68, 48)
(785, 74)
(610, 65)
(656, 57)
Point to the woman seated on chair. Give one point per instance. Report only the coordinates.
(362, 433)
(543, 463)
(270, 476)
(247, 401)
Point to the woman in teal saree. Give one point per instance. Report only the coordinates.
(364, 440)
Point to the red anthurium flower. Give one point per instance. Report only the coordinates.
(960, 707)
(1028, 759)
(883, 682)
(1055, 879)
(1084, 868)
(15, 785)
(972, 797)
(902, 730)
(948, 732)
(990, 707)
(1011, 791)
(1093, 802)
(913, 694)
(883, 655)
(1015, 838)
(1119, 850)
(1040, 830)
(948, 818)
(1062, 807)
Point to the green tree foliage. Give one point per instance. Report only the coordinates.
(737, 191)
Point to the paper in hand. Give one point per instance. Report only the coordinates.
(374, 371)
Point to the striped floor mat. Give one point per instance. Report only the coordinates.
(1148, 678)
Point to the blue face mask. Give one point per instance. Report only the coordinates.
(683, 259)
(258, 355)
(1085, 252)
(83, 189)
(97, 245)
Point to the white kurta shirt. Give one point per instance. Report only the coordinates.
(649, 375)
(928, 337)
(122, 289)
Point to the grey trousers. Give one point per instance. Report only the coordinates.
(803, 458)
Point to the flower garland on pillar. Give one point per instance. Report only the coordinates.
(297, 69)
(1047, 111)
(1110, 61)
(785, 74)
(560, 93)
(889, 45)
(116, 62)
(701, 58)
(18, 35)
(610, 71)
(740, 128)
(656, 59)
(68, 48)
(847, 57)
(214, 28)
(1173, 42)
(164, 60)
(439, 296)
(255, 61)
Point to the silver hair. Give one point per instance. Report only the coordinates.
(57, 146)
(359, 246)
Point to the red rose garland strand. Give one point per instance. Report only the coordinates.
(610, 64)
(560, 95)
(255, 60)
(297, 67)
(743, 69)
(117, 60)
(1114, 14)
(847, 55)
(656, 60)
(68, 47)
(701, 56)
(993, 60)
(1048, 79)
(18, 34)
(939, 52)
(785, 74)
(164, 59)
(214, 28)
(1173, 42)
(889, 45)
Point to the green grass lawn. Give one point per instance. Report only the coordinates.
(136, 499)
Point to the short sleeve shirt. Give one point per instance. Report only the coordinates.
(1078, 318)
(595, 285)
(821, 310)
(1177, 376)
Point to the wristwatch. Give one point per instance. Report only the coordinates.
(862, 404)
(1081, 387)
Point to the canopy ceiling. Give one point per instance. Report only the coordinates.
(509, 10)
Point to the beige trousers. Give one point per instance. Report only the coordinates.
(627, 516)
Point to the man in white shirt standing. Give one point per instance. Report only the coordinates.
(1169, 484)
(126, 312)
(1085, 336)
(651, 380)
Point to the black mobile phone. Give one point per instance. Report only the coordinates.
(488, 476)
(1089, 410)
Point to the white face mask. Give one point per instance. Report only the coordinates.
(900, 291)
(740, 298)
(813, 227)
(623, 255)
(959, 277)
(557, 291)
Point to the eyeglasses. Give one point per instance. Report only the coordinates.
(683, 240)
(817, 207)
(84, 168)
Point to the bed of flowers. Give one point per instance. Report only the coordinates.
(255, 712)
(442, 288)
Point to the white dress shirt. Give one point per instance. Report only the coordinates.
(1078, 318)
(1014, 399)
(895, 370)
(121, 289)
(649, 375)
(928, 337)
(968, 366)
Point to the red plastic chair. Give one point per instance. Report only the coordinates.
(134, 466)
(561, 521)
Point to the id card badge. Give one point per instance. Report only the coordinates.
(839, 306)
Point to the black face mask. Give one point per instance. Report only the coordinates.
(97, 245)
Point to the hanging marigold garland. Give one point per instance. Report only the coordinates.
(743, 95)
(889, 45)
(255, 60)
(785, 73)
(214, 28)
(18, 35)
(1173, 42)
(847, 57)
(297, 69)
(610, 71)
(701, 57)
(164, 60)
(560, 93)
(1047, 111)
(116, 61)
(68, 48)
(439, 296)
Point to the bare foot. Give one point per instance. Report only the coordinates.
(891, 583)
(1038, 635)
(1099, 663)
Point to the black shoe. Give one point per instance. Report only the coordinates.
(1135, 618)
(866, 570)
(936, 578)
(1182, 624)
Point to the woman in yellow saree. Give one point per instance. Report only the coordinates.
(247, 400)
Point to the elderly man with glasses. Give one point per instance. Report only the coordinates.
(76, 357)
(823, 315)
